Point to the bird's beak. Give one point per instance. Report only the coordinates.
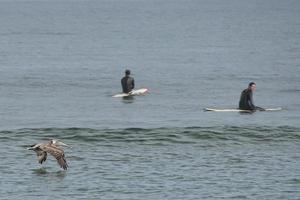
(63, 144)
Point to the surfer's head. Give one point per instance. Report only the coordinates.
(252, 86)
(127, 72)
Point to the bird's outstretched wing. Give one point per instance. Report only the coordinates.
(57, 153)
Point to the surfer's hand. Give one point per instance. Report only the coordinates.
(260, 109)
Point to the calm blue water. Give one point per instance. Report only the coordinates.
(61, 61)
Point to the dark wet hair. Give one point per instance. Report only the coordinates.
(251, 83)
(127, 71)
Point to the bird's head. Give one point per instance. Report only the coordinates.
(58, 143)
(31, 147)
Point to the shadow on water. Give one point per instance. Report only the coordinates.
(53, 174)
(127, 100)
(246, 112)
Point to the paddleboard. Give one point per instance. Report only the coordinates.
(138, 92)
(238, 110)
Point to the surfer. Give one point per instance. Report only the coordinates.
(127, 82)
(246, 100)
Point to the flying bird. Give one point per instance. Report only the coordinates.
(52, 147)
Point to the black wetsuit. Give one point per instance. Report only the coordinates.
(246, 100)
(127, 84)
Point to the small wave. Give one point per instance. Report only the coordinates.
(159, 135)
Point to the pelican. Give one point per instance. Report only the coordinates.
(53, 148)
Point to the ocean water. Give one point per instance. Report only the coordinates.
(61, 62)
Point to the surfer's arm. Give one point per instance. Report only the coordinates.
(252, 106)
(250, 101)
(132, 83)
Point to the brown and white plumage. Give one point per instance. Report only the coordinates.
(52, 147)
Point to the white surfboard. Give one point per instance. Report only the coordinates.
(238, 110)
(138, 92)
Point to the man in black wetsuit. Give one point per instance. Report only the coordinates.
(127, 82)
(246, 100)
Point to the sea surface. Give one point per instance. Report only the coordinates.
(61, 61)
